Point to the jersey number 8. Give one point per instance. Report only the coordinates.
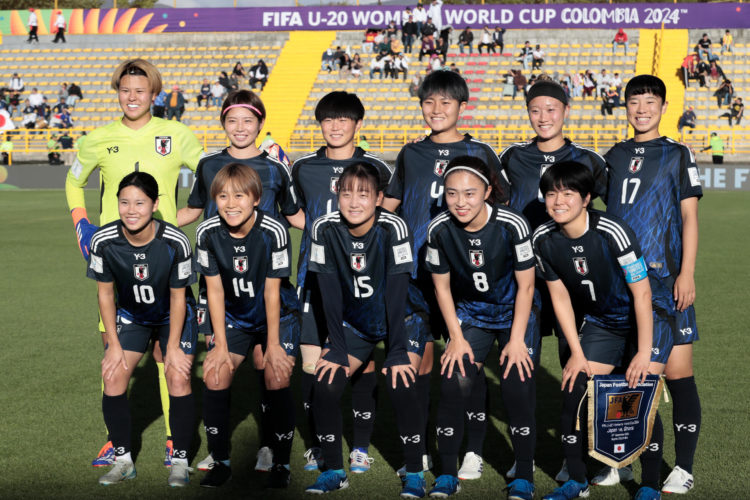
(480, 282)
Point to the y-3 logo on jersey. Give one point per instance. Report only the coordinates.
(359, 261)
(440, 167)
(476, 257)
(475, 242)
(577, 249)
(444, 152)
(139, 256)
(338, 170)
(636, 163)
(640, 151)
(113, 149)
(549, 158)
(358, 245)
(239, 249)
(140, 271)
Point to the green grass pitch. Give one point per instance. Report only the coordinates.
(50, 411)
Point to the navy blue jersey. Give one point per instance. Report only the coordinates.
(647, 182)
(315, 178)
(595, 268)
(523, 165)
(142, 276)
(244, 264)
(362, 265)
(278, 198)
(482, 264)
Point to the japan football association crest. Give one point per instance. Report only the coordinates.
(334, 185)
(476, 257)
(440, 167)
(581, 265)
(359, 261)
(636, 163)
(240, 264)
(140, 271)
(200, 315)
(163, 144)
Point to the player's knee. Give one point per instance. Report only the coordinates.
(177, 384)
(273, 383)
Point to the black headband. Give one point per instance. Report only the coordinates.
(547, 88)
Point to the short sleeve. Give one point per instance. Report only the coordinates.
(690, 181)
(287, 197)
(321, 252)
(280, 265)
(191, 148)
(630, 258)
(541, 251)
(520, 239)
(435, 259)
(395, 188)
(205, 254)
(295, 190)
(98, 268)
(400, 259)
(182, 273)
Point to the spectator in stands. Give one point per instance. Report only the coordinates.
(363, 144)
(724, 93)
(65, 142)
(326, 60)
(689, 64)
(736, 110)
(16, 83)
(589, 84)
(435, 63)
(368, 43)
(63, 92)
(74, 95)
(603, 83)
(526, 55)
(160, 104)
(405, 15)
(486, 41)
(33, 24)
(409, 33)
(238, 72)
(391, 30)
(226, 82)
(726, 42)
(715, 71)
(704, 47)
(28, 115)
(416, 81)
(400, 65)
(454, 68)
(175, 104)
(566, 88)
(377, 65)
(383, 47)
(66, 119)
(356, 66)
(217, 93)
(396, 46)
(610, 100)
(6, 148)
(59, 106)
(44, 110)
(35, 98)
(497, 39)
(621, 38)
(428, 47)
(702, 70)
(716, 145)
(576, 85)
(435, 12)
(466, 39)
(53, 156)
(59, 28)
(204, 93)
(259, 74)
(687, 119)
(537, 56)
(429, 28)
(420, 17)
(520, 82)
(617, 83)
(14, 103)
(444, 42)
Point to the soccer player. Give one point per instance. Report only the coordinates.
(136, 142)
(242, 116)
(594, 269)
(315, 180)
(245, 256)
(361, 255)
(417, 192)
(482, 266)
(142, 267)
(654, 186)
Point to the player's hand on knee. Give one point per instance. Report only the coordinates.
(114, 357)
(324, 367)
(177, 360)
(454, 353)
(407, 373)
(84, 232)
(215, 360)
(516, 354)
(575, 365)
(281, 364)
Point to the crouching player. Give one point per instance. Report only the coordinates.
(594, 270)
(362, 257)
(482, 266)
(143, 267)
(245, 256)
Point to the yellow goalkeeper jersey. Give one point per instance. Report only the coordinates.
(160, 147)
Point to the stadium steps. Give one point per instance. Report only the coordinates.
(669, 63)
(292, 79)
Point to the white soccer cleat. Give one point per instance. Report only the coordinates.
(265, 459)
(563, 476)
(679, 481)
(511, 474)
(179, 474)
(207, 463)
(609, 476)
(121, 471)
(471, 467)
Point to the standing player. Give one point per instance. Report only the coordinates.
(654, 187)
(315, 180)
(362, 258)
(136, 142)
(242, 116)
(594, 270)
(417, 188)
(482, 265)
(143, 267)
(245, 257)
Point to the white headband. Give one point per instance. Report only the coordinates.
(472, 170)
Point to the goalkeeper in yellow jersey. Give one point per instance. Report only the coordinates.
(136, 142)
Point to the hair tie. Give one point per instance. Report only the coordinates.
(469, 169)
(242, 105)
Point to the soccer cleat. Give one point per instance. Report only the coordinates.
(426, 466)
(105, 457)
(219, 474)
(207, 463)
(265, 459)
(413, 485)
(511, 474)
(179, 475)
(569, 490)
(122, 471)
(563, 476)
(314, 459)
(169, 450)
(678, 481)
(280, 476)
(472, 466)
(609, 476)
(328, 481)
(359, 461)
(445, 486)
(646, 493)
(521, 489)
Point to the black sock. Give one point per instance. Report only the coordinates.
(116, 411)
(266, 423)
(327, 410)
(423, 397)
(476, 414)
(308, 382)
(364, 404)
(686, 418)
(181, 421)
(281, 416)
(517, 397)
(216, 422)
(410, 429)
(454, 392)
(574, 447)
(651, 457)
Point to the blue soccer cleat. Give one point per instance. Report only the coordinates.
(521, 489)
(445, 486)
(646, 493)
(569, 490)
(328, 481)
(105, 457)
(413, 486)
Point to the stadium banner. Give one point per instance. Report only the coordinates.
(621, 418)
(732, 15)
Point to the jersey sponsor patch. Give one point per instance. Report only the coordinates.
(636, 163)
(433, 257)
(635, 271)
(581, 266)
(97, 264)
(203, 258)
(140, 271)
(440, 167)
(524, 251)
(358, 261)
(476, 257)
(163, 144)
(695, 178)
(279, 260)
(76, 168)
(240, 264)
(402, 253)
(184, 269)
(317, 254)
